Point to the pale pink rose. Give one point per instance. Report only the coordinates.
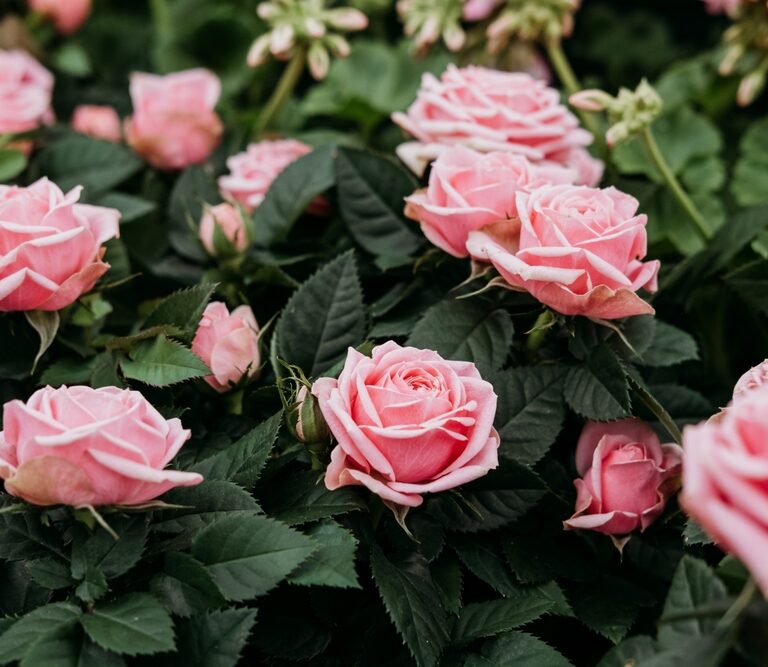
(725, 480)
(753, 379)
(578, 251)
(229, 344)
(720, 6)
(81, 446)
(51, 247)
(174, 123)
(67, 15)
(25, 93)
(100, 122)
(627, 476)
(479, 10)
(408, 422)
(230, 222)
(252, 171)
(489, 110)
(469, 190)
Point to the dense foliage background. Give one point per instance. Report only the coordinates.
(262, 564)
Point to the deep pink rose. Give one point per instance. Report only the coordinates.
(25, 93)
(753, 379)
(252, 171)
(627, 476)
(469, 190)
(230, 222)
(174, 124)
(229, 344)
(408, 422)
(67, 15)
(578, 251)
(50, 246)
(491, 110)
(81, 446)
(725, 480)
(100, 122)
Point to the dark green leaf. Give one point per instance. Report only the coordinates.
(216, 639)
(631, 651)
(598, 388)
(12, 163)
(102, 551)
(162, 362)
(483, 557)
(131, 207)
(669, 346)
(22, 635)
(185, 586)
(183, 309)
(69, 647)
(333, 564)
(517, 649)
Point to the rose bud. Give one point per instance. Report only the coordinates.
(725, 480)
(229, 344)
(231, 226)
(81, 446)
(99, 122)
(753, 379)
(469, 190)
(52, 246)
(578, 251)
(408, 422)
(490, 110)
(67, 15)
(627, 476)
(310, 426)
(174, 124)
(26, 88)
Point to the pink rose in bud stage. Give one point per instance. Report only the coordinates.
(81, 446)
(252, 171)
(26, 88)
(490, 110)
(100, 122)
(578, 251)
(408, 422)
(725, 480)
(174, 124)
(479, 10)
(627, 476)
(469, 190)
(51, 247)
(229, 345)
(67, 15)
(754, 378)
(230, 222)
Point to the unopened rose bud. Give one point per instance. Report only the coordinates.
(338, 46)
(314, 27)
(347, 19)
(259, 51)
(617, 134)
(310, 425)
(281, 39)
(590, 100)
(319, 61)
(454, 37)
(267, 11)
(750, 87)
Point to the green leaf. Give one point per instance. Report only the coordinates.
(131, 207)
(185, 586)
(694, 585)
(323, 318)
(216, 639)
(162, 362)
(12, 164)
(68, 371)
(750, 283)
(632, 651)
(51, 573)
(248, 556)
(69, 647)
(46, 324)
(466, 330)
(669, 346)
(530, 411)
(694, 534)
(182, 309)
(598, 388)
(134, 624)
(333, 564)
(291, 193)
(704, 651)
(95, 164)
(43, 621)
(750, 177)
(23, 536)
(243, 460)
(93, 585)
(483, 557)
(517, 649)
(371, 190)
(485, 619)
(98, 549)
(410, 597)
(195, 187)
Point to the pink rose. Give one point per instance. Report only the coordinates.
(25, 93)
(627, 477)
(81, 446)
(228, 344)
(469, 190)
(753, 379)
(725, 480)
(174, 124)
(489, 110)
(479, 10)
(67, 15)
(230, 222)
(252, 171)
(408, 422)
(50, 246)
(578, 251)
(721, 6)
(100, 122)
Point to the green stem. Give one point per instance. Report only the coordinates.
(282, 92)
(658, 159)
(568, 78)
(544, 322)
(740, 605)
(161, 19)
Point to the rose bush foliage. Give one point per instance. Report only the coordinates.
(354, 357)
